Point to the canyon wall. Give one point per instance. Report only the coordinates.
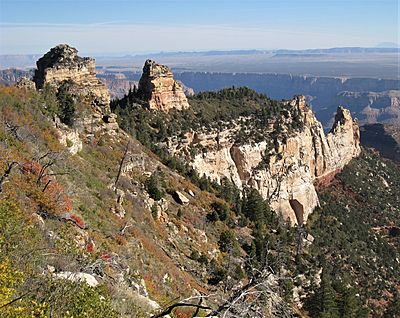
(295, 163)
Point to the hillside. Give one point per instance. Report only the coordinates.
(385, 138)
(105, 216)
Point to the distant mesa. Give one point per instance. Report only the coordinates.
(387, 45)
(158, 87)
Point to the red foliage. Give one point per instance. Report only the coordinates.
(32, 167)
(57, 192)
(105, 257)
(49, 185)
(90, 246)
(77, 220)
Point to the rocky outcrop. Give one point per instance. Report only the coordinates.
(25, 83)
(373, 107)
(65, 71)
(294, 163)
(62, 64)
(78, 277)
(158, 87)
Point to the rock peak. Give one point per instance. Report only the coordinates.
(62, 64)
(343, 119)
(159, 89)
(299, 101)
(153, 70)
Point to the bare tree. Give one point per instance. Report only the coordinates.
(122, 164)
(258, 298)
(6, 173)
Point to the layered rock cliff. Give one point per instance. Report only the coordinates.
(62, 64)
(158, 87)
(283, 167)
(83, 100)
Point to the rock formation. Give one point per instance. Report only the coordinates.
(25, 83)
(62, 69)
(62, 64)
(158, 87)
(294, 165)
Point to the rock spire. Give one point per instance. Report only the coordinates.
(158, 87)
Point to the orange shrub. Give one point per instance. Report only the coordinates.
(53, 196)
(76, 219)
(184, 312)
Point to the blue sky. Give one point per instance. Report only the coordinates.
(129, 26)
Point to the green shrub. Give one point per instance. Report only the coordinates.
(153, 186)
(227, 240)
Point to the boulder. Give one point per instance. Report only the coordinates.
(180, 198)
(26, 84)
(78, 277)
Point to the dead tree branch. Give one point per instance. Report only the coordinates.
(121, 164)
(7, 173)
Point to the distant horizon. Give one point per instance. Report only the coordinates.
(122, 26)
(141, 53)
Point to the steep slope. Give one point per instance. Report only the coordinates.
(356, 230)
(108, 230)
(383, 137)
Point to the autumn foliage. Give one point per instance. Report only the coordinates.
(76, 219)
(46, 191)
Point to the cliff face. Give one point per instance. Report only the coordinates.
(284, 170)
(159, 88)
(62, 64)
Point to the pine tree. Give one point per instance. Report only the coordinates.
(322, 303)
(393, 310)
(254, 206)
(327, 297)
(350, 304)
(153, 185)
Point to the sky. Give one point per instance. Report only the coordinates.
(142, 26)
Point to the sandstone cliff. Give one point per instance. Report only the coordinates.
(62, 69)
(284, 170)
(62, 64)
(158, 87)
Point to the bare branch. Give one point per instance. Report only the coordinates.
(169, 309)
(121, 164)
(6, 174)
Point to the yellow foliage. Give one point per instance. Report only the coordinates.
(10, 278)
